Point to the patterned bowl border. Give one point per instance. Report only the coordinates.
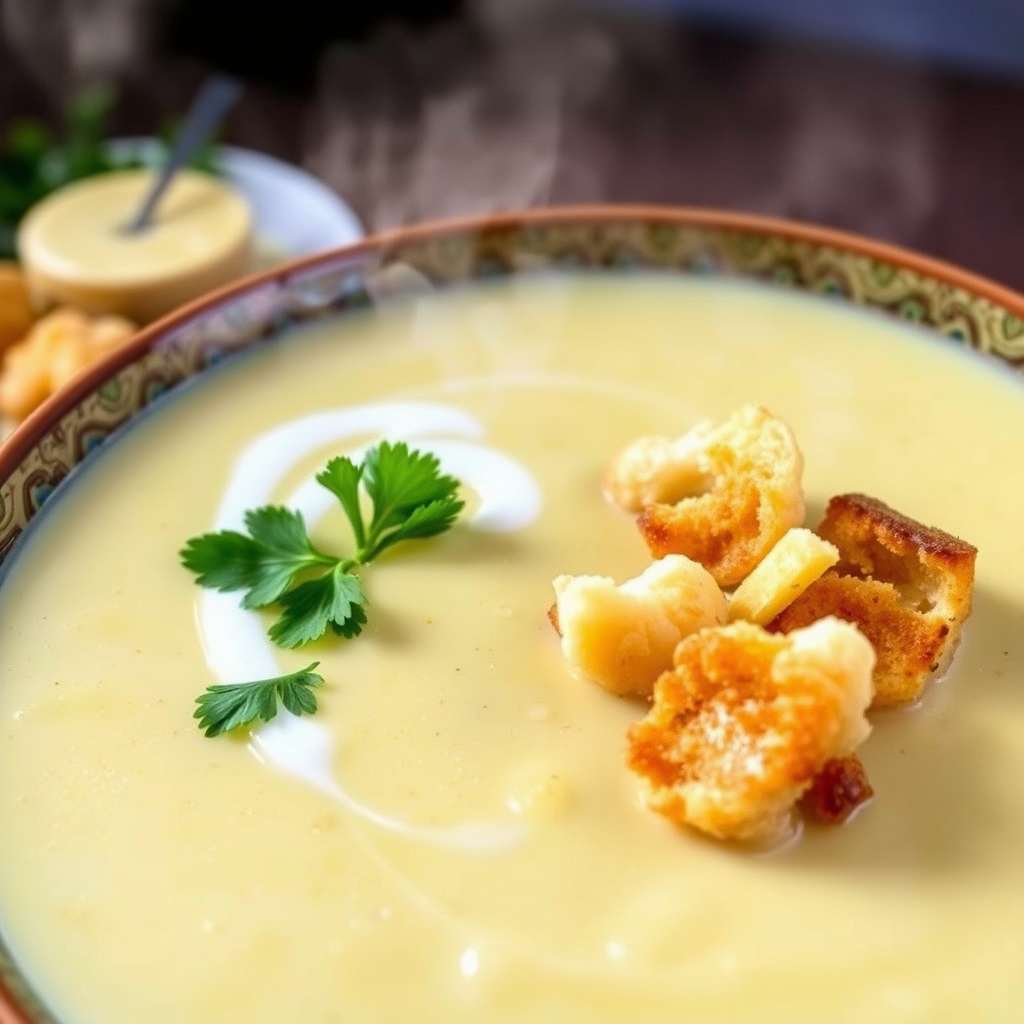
(63, 433)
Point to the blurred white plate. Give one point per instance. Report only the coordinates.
(294, 212)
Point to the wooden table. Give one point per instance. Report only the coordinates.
(932, 160)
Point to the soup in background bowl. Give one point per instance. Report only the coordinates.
(455, 833)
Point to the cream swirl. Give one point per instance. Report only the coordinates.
(234, 640)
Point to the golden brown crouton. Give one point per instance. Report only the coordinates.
(622, 637)
(58, 347)
(723, 494)
(837, 791)
(906, 586)
(746, 720)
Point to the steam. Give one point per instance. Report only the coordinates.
(522, 103)
(72, 43)
(550, 107)
(856, 153)
(406, 142)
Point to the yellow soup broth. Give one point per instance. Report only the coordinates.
(478, 851)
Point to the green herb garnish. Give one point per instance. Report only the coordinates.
(223, 708)
(275, 564)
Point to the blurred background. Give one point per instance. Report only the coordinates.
(902, 119)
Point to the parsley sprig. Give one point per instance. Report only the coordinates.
(275, 564)
(411, 498)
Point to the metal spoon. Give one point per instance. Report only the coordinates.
(216, 97)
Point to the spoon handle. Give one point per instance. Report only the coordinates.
(216, 97)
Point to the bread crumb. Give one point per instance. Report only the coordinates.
(837, 791)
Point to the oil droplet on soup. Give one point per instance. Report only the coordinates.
(469, 845)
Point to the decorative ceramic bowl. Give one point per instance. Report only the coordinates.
(67, 429)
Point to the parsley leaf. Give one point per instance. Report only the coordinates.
(399, 480)
(411, 497)
(224, 561)
(229, 706)
(341, 477)
(308, 609)
(279, 528)
(263, 563)
(353, 625)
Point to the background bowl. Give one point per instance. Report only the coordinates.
(294, 213)
(63, 432)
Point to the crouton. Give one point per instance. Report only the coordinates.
(908, 587)
(746, 720)
(622, 637)
(722, 494)
(58, 347)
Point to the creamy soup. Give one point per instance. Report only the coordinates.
(454, 836)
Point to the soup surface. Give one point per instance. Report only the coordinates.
(454, 836)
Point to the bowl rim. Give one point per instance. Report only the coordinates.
(26, 434)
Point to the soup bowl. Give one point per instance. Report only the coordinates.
(47, 452)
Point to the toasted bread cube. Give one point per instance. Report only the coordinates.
(908, 587)
(622, 637)
(746, 720)
(723, 494)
